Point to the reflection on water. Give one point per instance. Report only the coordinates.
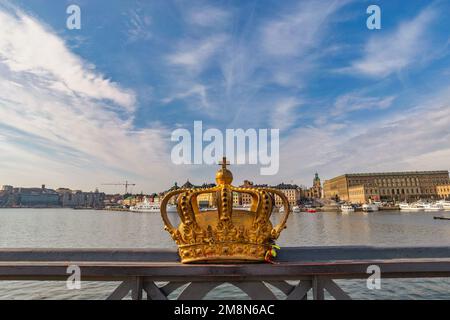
(65, 228)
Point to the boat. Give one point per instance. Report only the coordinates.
(445, 204)
(149, 207)
(441, 218)
(311, 210)
(346, 208)
(370, 207)
(411, 207)
(296, 209)
(433, 207)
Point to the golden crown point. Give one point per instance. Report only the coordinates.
(225, 234)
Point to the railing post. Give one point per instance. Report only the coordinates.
(137, 288)
(318, 288)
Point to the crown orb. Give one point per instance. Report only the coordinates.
(224, 176)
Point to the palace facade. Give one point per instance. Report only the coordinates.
(387, 186)
(443, 191)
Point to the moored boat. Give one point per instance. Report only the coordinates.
(148, 207)
(445, 204)
(411, 207)
(433, 207)
(370, 207)
(346, 208)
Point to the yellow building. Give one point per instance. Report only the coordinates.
(244, 199)
(207, 200)
(443, 191)
(292, 193)
(131, 201)
(315, 192)
(237, 201)
(391, 185)
(363, 194)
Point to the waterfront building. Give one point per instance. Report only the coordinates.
(292, 193)
(78, 199)
(443, 191)
(237, 199)
(112, 200)
(363, 194)
(7, 189)
(132, 201)
(387, 186)
(245, 198)
(35, 197)
(203, 200)
(206, 200)
(315, 192)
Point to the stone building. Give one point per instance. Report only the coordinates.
(292, 193)
(243, 199)
(443, 191)
(315, 192)
(363, 194)
(78, 199)
(388, 186)
(34, 197)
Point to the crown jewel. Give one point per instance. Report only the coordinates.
(226, 233)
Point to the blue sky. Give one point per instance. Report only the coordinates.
(83, 107)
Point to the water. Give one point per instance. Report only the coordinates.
(66, 228)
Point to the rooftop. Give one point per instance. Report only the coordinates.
(381, 174)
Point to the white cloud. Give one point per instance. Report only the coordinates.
(390, 52)
(297, 32)
(59, 121)
(197, 90)
(138, 26)
(284, 114)
(353, 102)
(195, 55)
(27, 46)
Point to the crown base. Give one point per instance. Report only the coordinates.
(224, 252)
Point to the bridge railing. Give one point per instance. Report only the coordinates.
(154, 274)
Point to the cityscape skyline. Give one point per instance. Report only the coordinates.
(85, 107)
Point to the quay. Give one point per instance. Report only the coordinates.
(153, 274)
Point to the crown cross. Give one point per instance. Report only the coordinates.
(224, 163)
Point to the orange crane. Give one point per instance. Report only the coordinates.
(126, 184)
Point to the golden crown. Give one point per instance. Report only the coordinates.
(224, 234)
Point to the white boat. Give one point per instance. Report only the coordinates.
(370, 207)
(346, 208)
(296, 209)
(445, 204)
(208, 209)
(433, 207)
(281, 209)
(411, 207)
(148, 207)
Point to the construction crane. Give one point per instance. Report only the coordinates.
(126, 184)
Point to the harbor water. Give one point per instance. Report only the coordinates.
(66, 228)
